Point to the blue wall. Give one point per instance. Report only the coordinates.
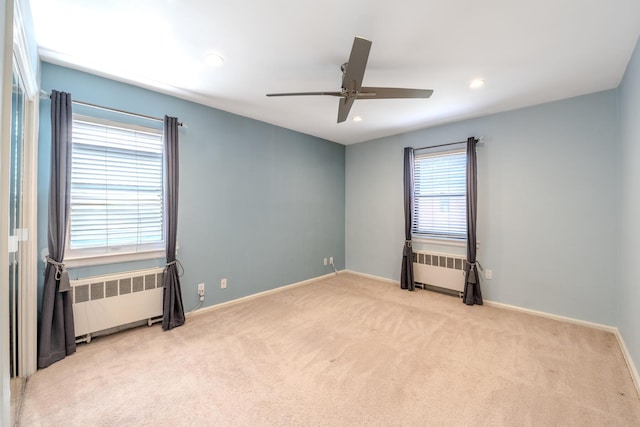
(629, 314)
(259, 205)
(547, 204)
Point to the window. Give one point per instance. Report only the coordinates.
(440, 203)
(116, 189)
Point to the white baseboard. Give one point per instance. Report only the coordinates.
(627, 357)
(371, 276)
(257, 295)
(594, 325)
(607, 328)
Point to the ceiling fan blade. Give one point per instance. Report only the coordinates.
(352, 79)
(343, 108)
(305, 93)
(392, 92)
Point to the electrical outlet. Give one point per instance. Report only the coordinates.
(488, 274)
(223, 283)
(201, 291)
(325, 261)
(331, 260)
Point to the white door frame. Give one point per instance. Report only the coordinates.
(6, 31)
(28, 294)
(14, 51)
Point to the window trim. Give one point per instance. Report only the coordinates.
(125, 253)
(433, 238)
(90, 260)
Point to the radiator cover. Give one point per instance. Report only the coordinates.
(440, 270)
(106, 302)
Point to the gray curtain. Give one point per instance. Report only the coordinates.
(471, 294)
(172, 309)
(406, 274)
(56, 335)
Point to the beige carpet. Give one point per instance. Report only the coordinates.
(342, 351)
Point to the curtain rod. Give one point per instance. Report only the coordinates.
(479, 139)
(44, 94)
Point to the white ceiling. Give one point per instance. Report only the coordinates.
(528, 52)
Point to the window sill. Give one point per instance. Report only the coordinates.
(442, 242)
(109, 259)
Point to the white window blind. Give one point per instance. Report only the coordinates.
(116, 188)
(440, 207)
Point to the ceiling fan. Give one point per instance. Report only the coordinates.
(352, 89)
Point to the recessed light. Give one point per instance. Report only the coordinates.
(357, 119)
(214, 59)
(475, 84)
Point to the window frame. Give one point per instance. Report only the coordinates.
(79, 257)
(448, 239)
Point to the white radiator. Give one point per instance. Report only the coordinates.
(438, 270)
(106, 302)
